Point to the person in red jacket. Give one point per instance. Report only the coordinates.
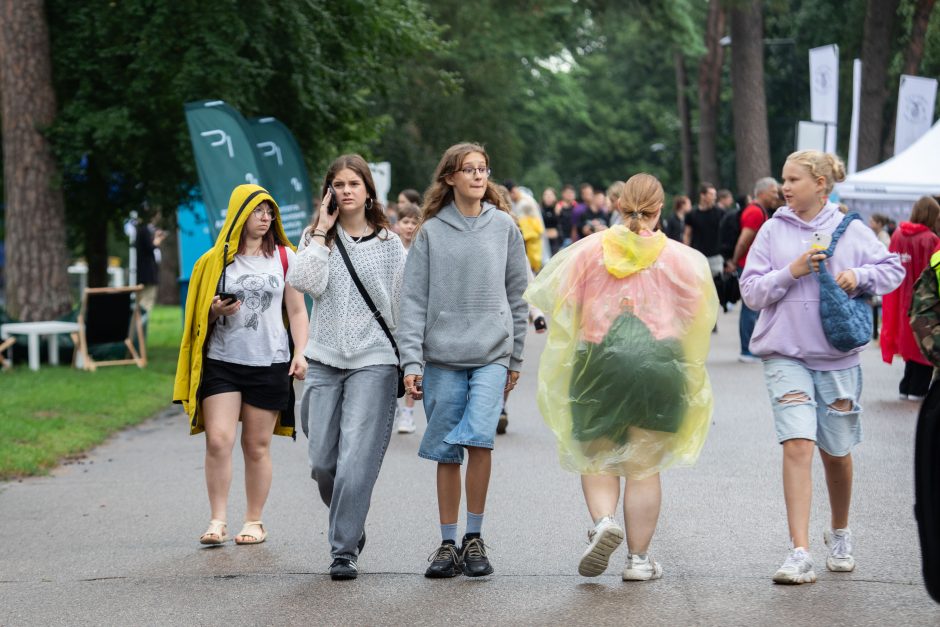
(914, 241)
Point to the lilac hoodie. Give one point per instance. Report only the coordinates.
(789, 325)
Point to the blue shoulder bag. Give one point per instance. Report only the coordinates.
(846, 321)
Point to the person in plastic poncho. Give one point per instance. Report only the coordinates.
(622, 380)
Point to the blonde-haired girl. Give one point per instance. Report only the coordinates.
(814, 388)
(461, 339)
(622, 380)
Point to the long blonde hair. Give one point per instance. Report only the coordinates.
(440, 194)
(821, 164)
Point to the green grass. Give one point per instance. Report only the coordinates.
(59, 411)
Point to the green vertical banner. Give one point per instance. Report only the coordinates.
(283, 173)
(225, 155)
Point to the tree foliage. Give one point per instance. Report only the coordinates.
(124, 69)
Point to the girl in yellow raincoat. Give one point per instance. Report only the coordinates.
(622, 380)
(235, 362)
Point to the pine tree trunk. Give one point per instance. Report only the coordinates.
(685, 122)
(709, 89)
(36, 256)
(876, 53)
(912, 58)
(749, 102)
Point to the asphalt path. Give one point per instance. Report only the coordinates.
(112, 538)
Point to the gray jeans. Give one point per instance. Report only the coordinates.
(347, 416)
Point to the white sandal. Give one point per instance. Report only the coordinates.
(216, 533)
(256, 538)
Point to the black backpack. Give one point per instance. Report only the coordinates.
(729, 229)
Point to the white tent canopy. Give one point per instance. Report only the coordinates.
(892, 187)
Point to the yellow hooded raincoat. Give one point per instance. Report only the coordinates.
(622, 380)
(203, 285)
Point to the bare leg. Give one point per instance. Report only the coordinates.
(448, 493)
(257, 431)
(479, 464)
(839, 480)
(642, 499)
(601, 494)
(798, 488)
(220, 416)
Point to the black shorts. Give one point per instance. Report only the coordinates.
(265, 387)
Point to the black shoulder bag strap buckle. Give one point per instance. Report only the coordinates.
(365, 295)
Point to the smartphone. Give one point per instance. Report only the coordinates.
(418, 386)
(334, 206)
(820, 241)
(227, 298)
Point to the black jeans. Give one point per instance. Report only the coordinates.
(916, 379)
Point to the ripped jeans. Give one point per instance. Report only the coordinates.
(807, 405)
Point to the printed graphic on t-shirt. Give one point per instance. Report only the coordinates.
(256, 291)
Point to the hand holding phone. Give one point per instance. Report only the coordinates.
(227, 298)
(333, 206)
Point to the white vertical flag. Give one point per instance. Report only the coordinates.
(916, 99)
(824, 84)
(382, 177)
(856, 103)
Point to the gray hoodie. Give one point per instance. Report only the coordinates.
(462, 301)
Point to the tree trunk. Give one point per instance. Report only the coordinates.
(748, 102)
(685, 122)
(36, 256)
(912, 58)
(876, 53)
(709, 89)
(168, 290)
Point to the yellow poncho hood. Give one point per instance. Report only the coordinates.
(203, 285)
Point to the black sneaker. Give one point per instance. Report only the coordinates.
(343, 568)
(473, 557)
(503, 422)
(444, 561)
(540, 324)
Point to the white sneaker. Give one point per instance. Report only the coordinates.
(604, 539)
(840, 558)
(798, 568)
(406, 424)
(749, 359)
(642, 568)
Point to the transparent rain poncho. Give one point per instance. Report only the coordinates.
(622, 379)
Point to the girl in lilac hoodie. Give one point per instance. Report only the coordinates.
(814, 388)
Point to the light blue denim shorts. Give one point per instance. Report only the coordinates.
(463, 408)
(835, 432)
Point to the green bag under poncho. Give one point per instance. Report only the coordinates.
(651, 394)
(622, 379)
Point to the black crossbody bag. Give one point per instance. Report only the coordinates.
(375, 310)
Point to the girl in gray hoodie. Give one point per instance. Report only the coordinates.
(463, 324)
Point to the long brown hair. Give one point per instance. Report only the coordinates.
(375, 212)
(440, 194)
(268, 241)
(925, 211)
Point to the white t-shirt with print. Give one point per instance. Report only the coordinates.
(255, 334)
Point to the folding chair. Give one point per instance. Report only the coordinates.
(108, 316)
(4, 345)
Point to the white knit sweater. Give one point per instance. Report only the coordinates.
(343, 332)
